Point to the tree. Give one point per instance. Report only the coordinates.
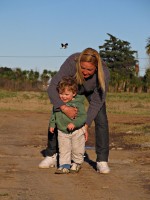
(18, 74)
(117, 54)
(148, 46)
(120, 60)
(148, 51)
(147, 80)
(6, 73)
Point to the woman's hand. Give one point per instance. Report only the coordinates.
(51, 129)
(71, 112)
(86, 136)
(86, 132)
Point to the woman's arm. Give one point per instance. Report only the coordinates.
(68, 68)
(71, 112)
(97, 99)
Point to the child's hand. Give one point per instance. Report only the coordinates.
(51, 129)
(70, 126)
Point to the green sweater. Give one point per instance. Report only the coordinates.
(59, 119)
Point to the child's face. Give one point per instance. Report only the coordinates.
(66, 95)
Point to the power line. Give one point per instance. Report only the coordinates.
(142, 58)
(10, 56)
(31, 56)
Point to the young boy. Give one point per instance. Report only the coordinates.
(71, 132)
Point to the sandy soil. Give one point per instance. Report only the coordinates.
(23, 135)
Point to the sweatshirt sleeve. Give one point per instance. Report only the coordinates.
(97, 99)
(82, 115)
(52, 121)
(68, 68)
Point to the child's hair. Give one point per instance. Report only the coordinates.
(67, 82)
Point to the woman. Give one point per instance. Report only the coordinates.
(92, 77)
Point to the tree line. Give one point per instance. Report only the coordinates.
(124, 66)
(24, 80)
(121, 60)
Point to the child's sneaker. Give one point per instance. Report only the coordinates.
(49, 161)
(62, 170)
(102, 167)
(75, 168)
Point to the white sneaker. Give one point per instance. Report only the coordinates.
(49, 161)
(102, 167)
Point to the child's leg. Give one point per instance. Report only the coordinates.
(78, 146)
(64, 142)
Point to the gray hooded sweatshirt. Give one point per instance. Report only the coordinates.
(96, 97)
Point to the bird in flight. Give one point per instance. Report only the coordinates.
(64, 46)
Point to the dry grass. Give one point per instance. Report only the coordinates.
(128, 113)
(129, 103)
(24, 101)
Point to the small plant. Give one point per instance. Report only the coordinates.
(7, 94)
(43, 96)
(26, 96)
(3, 194)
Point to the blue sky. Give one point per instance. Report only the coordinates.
(35, 29)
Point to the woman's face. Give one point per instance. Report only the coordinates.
(87, 69)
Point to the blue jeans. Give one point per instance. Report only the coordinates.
(52, 145)
(101, 137)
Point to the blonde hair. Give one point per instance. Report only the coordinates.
(92, 56)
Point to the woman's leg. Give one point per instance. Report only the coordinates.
(102, 135)
(52, 144)
(50, 159)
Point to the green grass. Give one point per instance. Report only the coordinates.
(3, 194)
(23, 95)
(117, 103)
(128, 103)
(129, 112)
(7, 94)
(126, 97)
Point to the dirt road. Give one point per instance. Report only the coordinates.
(23, 136)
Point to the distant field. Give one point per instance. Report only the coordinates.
(129, 103)
(24, 101)
(117, 103)
(128, 113)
